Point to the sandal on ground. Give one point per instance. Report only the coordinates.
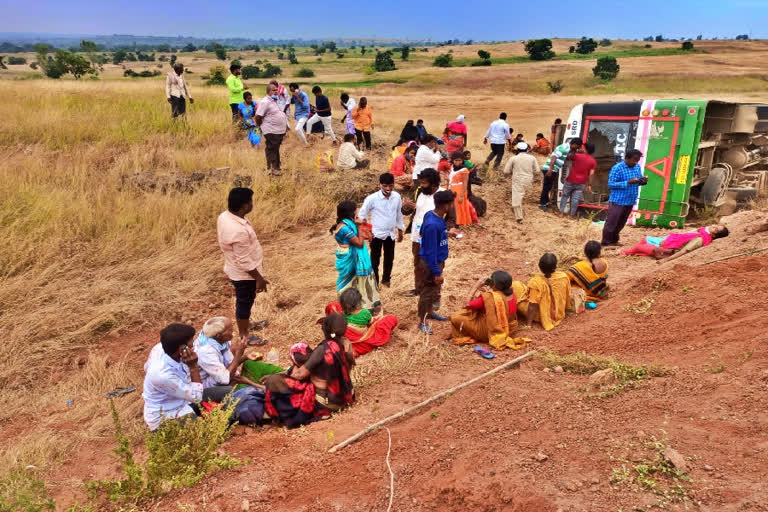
(484, 352)
(256, 341)
(257, 326)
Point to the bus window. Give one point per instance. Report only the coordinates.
(612, 139)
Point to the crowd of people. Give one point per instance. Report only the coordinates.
(429, 182)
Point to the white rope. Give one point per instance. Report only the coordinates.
(391, 474)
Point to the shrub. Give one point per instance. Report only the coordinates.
(586, 46)
(384, 61)
(648, 46)
(606, 69)
(687, 45)
(16, 60)
(221, 53)
(481, 62)
(217, 75)
(605, 42)
(443, 61)
(571, 49)
(271, 71)
(305, 73)
(250, 71)
(539, 49)
(339, 55)
(556, 86)
(292, 57)
(143, 74)
(23, 490)
(33, 65)
(484, 55)
(405, 52)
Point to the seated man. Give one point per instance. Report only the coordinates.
(542, 146)
(172, 382)
(590, 274)
(675, 245)
(349, 156)
(489, 317)
(546, 295)
(219, 358)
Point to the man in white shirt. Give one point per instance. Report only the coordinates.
(172, 382)
(498, 134)
(176, 89)
(219, 358)
(385, 208)
(427, 157)
(349, 156)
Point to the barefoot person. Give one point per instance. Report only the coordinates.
(274, 123)
(385, 209)
(546, 295)
(175, 90)
(624, 182)
(243, 255)
(675, 245)
(591, 273)
(523, 167)
(489, 317)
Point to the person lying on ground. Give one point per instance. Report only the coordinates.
(677, 244)
(545, 297)
(219, 358)
(591, 274)
(402, 168)
(349, 156)
(329, 366)
(490, 316)
(172, 383)
(542, 146)
(364, 331)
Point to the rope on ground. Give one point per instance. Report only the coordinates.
(428, 401)
(391, 474)
(745, 253)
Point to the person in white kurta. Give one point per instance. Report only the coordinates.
(524, 168)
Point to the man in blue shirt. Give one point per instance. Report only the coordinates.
(323, 112)
(624, 182)
(433, 253)
(421, 128)
(301, 110)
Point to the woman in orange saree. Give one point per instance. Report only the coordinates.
(459, 183)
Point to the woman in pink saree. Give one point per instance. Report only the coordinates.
(675, 245)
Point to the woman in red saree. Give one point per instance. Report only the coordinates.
(364, 331)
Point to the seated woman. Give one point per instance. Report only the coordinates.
(402, 168)
(675, 245)
(329, 366)
(247, 113)
(546, 295)
(491, 316)
(591, 274)
(364, 331)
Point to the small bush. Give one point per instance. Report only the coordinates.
(143, 74)
(221, 53)
(481, 62)
(271, 71)
(539, 49)
(14, 61)
(687, 45)
(556, 86)
(484, 55)
(571, 49)
(217, 75)
(33, 65)
(443, 61)
(586, 46)
(384, 62)
(648, 46)
(605, 42)
(22, 490)
(250, 71)
(606, 69)
(305, 73)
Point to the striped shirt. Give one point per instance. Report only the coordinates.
(561, 152)
(622, 193)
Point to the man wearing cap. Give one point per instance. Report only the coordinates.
(499, 134)
(524, 167)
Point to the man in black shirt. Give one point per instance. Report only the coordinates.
(323, 112)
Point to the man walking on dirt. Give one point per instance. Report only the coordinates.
(524, 168)
(274, 123)
(499, 134)
(176, 89)
(624, 182)
(243, 255)
(386, 210)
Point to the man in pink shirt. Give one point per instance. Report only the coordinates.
(274, 123)
(243, 256)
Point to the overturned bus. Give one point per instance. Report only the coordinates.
(696, 153)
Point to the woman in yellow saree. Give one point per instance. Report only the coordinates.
(547, 295)
(491, 316)
(591, 274)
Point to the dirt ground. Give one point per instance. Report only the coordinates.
(526, 439)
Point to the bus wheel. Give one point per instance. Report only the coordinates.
(714, 188)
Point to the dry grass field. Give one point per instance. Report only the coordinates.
(90, 269)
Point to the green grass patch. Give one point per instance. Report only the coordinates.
(625, 376)
(634, 52)
(22, 490)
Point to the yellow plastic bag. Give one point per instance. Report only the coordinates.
(324, 161)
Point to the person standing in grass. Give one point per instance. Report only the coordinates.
(363, 117)
(323, 112)
(301, 110)
(499, 135)
(624, 182)
(273, 123)
(236, 88)
(176, 89)
(385, 209)
(523, 167)
(243, 255)
(348, 104)
(433, 253)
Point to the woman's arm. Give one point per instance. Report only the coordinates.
(475, 288)
(689, 247)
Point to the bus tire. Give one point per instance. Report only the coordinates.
(714, 188)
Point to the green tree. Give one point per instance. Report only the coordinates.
(189, 48)
(292, 57)
(586, 46)
(362, 49)
(14, 61)
(221, 53)
(330, 46)
(443, 61)
(250, 71)
(77, 65)
(406, 50)
(384, 61)
(41, 51)
(659, 38)
(305, 73)
(217, 75)
(605, 42)
(606, 69)
(90, 48)
(571, 49)
(687, 45)
(119, 56)
(485, 55)
(539, 49)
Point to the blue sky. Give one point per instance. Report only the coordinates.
(446, 19)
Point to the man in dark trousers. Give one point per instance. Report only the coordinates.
(433, 253)
(385, 208)
(624, 181)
